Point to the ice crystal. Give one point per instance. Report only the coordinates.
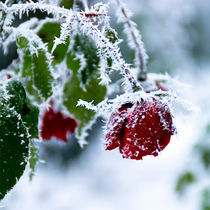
(133, 35)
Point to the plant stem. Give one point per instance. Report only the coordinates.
(108, 49)
(139, 48)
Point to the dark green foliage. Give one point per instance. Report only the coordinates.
(83, 45)
(68, 4)
(42, 74)
(184, 181)
(17, 95)
(47, 33)
(204, 153)
(11, 2)
(83, 83)
(29, 113)
(111, 34)
(35, 68)
(13, 148)
(14, 134)
(33, 159)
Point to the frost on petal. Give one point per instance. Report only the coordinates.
(146, 133)
(115, 127)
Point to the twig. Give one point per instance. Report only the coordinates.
(141, 55)
(108, 49)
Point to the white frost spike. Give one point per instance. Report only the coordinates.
(105, 80)
(22, 28)
(83, 64)
(134, 37)
(66, 29)
(20, 9)
(114, 104)
(107, 49)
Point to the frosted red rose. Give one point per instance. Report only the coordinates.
(140, 129)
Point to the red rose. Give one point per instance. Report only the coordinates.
(57, 124)
(140, 129)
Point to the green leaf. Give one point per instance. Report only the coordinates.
(13, 148)
(42, 76)
(33, 159)
(203, 150)
(2, 19)
(17, 95)
(11, 2)
(30, 116)
(35, 67)
(185, 180)
(22, 42)
(206, 199)
(47, 33)
(84, 82)
(29, 113)
(111, 34)
(68, 4)
(14, 134)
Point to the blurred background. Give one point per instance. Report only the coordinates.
(176, 34)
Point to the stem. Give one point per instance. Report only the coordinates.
(50, 9)
(3, 9)
(135, 86)
(91, 14)
(139, 46)
(108, 49)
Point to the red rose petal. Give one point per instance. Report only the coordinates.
(57, 124)
(115, 127)
(143, 130)
(148, 130)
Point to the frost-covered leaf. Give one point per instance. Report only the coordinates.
(111, 34)
(33, 158)
(36, 66)
(14, 134)
(185, 180)
(10, 2)
(13, 148)
(17, 95)
(67, 4)
(42, 75)
(47, 33)
(84, 81)
(29, 113)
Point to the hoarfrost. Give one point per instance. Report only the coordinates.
(133, 35)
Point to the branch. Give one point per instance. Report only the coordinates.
(91, 14)
(3, 8)
(58, 12)
(107, 49)
(135, 42)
